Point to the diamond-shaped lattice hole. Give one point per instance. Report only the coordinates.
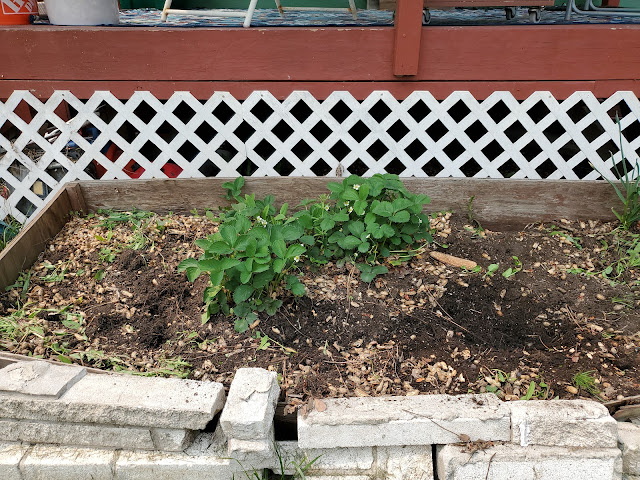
(454, 149)
(583, 169)
(188, 150)
(25, 207)
(171, 170)
(419, 111)
(264, 149)
(106, 112)
(209, 169)
(515, 131)
(284, 168)
(358, 168)
(167, 132)
(128, 132)
(459, 110)
(476, 131)
(618, 170)
(377, 150)
(144, 112)
(508, 169)
(321, 168)
(262, 110)
(46, 129)
(546, 168)
(395, 166)
(398, 130)
(226, 151)
(492, 150)
(531, 150)
(320, 131)
(359, 131)
(40, 188)
(437, 130)
(339, 150)
(282, 130)
(56, 171)
(205, 132)
(620, 110)
(568, 150)
(247, 168)
(578, 111)
(94, 170)
(538, 112)
(244, 131)
(184, 112)
(499, 111)
(415, 149)
(34, 152)
(593, 131)
(150, 151)
(301, 111)
(432, 167)
(632, 131)
(554, 131)
(223, 112)
(340, 111)
(301, 150)
(72, 152)
(608, 149)
(470, 168)
(6, 189)
(9, 131)
(18, 170)
(379, 111)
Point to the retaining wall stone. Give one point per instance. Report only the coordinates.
(48, 462)
(629, 443)
(506, 462)
(398, 421)
(39, 378)
(564, 423)
(10, 457)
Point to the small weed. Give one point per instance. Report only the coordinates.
(54, 274)
(539, 390)
(114, 218)
(107, 254)
(511, 271)
(23, 281)
(266, 342)
(586, 382)
(300, 466)
(554, 231)
(491, 270)
(8, 230)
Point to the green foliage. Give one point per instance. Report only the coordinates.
(629, 194)
(113, 218)
(22, 282)
(254, 255)
(586, 382)
(511, 271)
(8, 229)
(554, 231)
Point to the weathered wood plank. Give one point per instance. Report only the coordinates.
(25, 248)
(499, 203)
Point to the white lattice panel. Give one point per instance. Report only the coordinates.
(144, 137)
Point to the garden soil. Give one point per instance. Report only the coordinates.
(111, 297)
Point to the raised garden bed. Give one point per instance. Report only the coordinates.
(105, 292)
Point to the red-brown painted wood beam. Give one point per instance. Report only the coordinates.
(406, 45)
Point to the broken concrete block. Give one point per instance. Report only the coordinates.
(413, 462)
(174, 466)
(322, 461)
(398, 421)
(565, 423)
(511, 461)
(48, 462)
(629, 443)
(251, 404)
(10, 456)
(39, 378)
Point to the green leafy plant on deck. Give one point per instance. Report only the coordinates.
(255, 253)
(629, 194)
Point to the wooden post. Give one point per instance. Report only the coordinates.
(408, 29)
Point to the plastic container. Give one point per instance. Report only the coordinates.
(17, 12)
(82, 12)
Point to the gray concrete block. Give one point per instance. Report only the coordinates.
(253, 454)
(48, 462)
(171, 439)
(124, 400)
(251, 404)
(413, 462)
(514, 462)
(565, 423)
(397, 421)
(10, 456)
(172, 466)
(39, 378)
(322, 461)
(629, 443)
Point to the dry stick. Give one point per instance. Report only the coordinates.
(489, 466)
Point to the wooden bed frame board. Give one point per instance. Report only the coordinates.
(499, 204)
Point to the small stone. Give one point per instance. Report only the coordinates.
(571, 389)
(599, 296)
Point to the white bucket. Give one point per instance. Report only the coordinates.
(83, 12)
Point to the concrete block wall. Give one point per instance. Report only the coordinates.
(60, 422)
